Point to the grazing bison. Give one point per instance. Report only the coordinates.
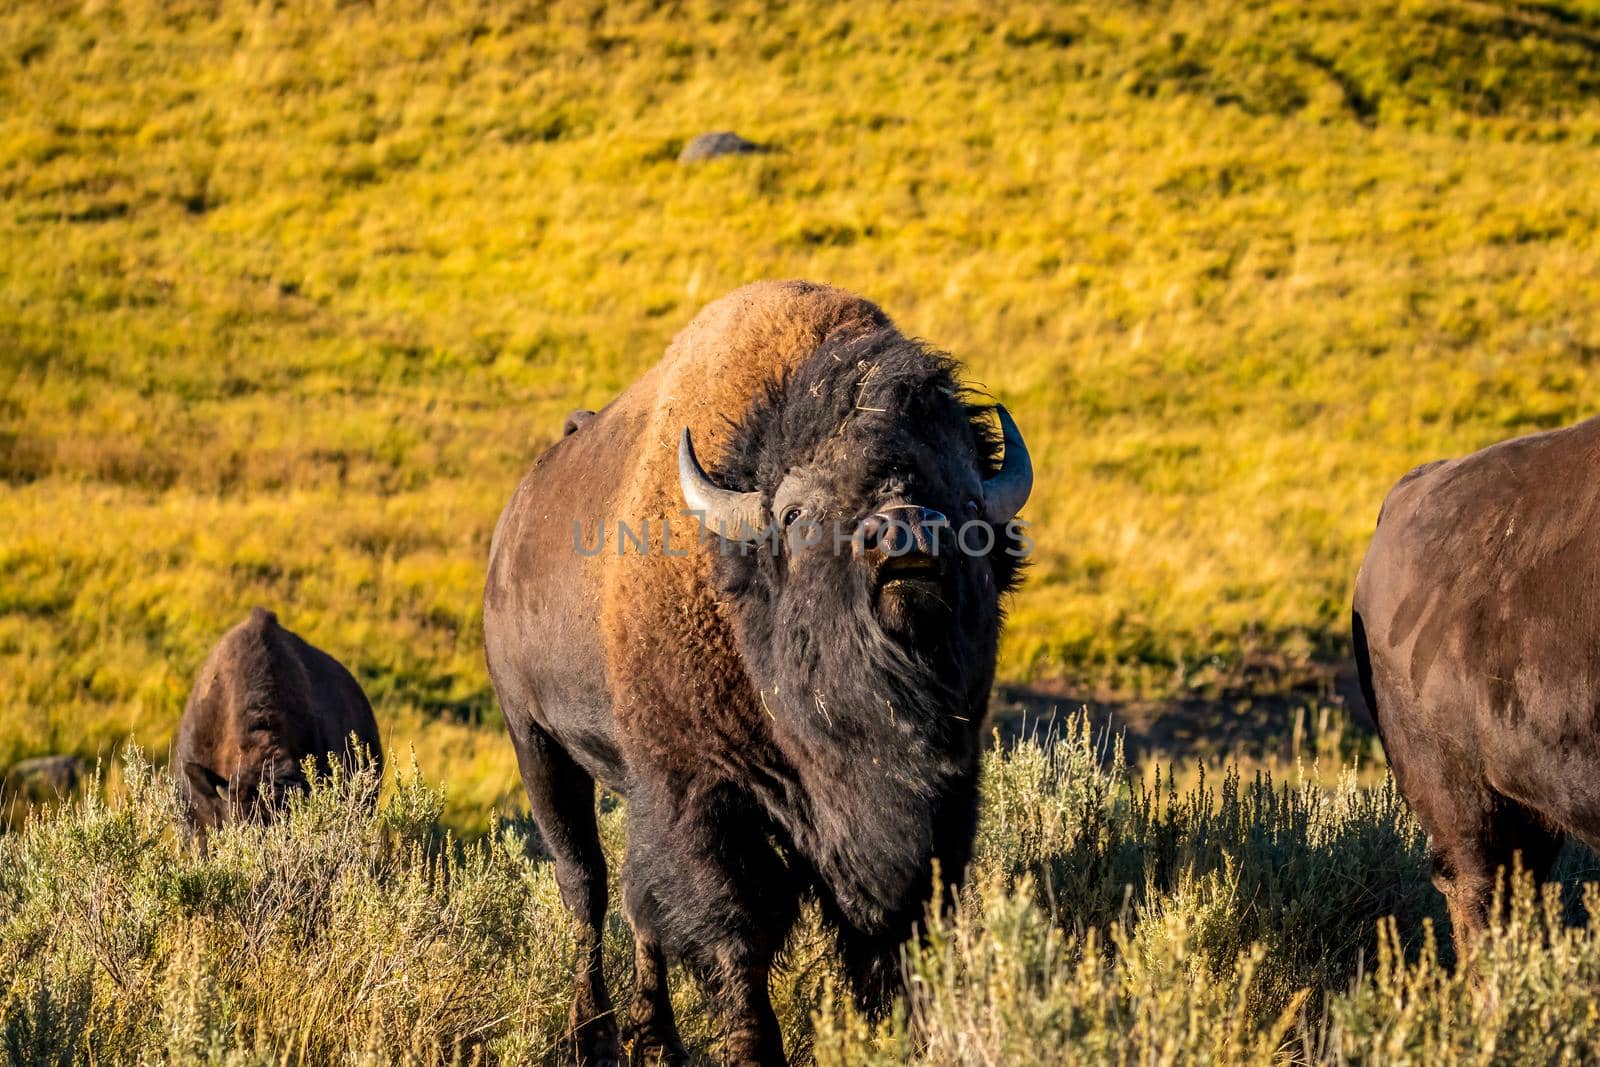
(1477, 637)
(264, 701)
(795, 718)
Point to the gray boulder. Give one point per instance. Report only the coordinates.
(711, 145)
(44, 777)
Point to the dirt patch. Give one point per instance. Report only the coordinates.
(1244, 724)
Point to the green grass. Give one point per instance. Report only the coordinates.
(290, 294)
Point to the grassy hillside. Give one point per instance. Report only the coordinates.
(290, 294)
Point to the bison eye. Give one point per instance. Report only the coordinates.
(791, 515)
(971, 509)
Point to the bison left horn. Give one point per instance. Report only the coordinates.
(736, 516)
(1007, 491)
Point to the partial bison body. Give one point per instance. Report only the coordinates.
(1477, 636)
(265, 700)
(792, 701)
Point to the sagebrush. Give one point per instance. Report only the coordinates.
(1105, 921)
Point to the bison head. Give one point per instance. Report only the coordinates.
(865, 532)
(262, 776)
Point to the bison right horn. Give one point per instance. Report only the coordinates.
(1007, 491)
(735, 516)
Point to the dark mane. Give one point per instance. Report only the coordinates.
(831, 670)
(882, 376)
(270, 676)
(882, 379)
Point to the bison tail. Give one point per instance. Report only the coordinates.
(1358, 638)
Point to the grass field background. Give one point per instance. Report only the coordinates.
(291, 293)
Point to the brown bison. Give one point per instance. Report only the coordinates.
(1477, 640)
(265, 700)
(790, 695)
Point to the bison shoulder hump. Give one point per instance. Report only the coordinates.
(1405, 487)
(262, 619)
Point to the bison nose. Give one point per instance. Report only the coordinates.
(903, 529)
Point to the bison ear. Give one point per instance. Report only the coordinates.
(204, 781)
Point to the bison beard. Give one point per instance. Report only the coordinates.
(894, 768)
(888, 719)
(786, 723)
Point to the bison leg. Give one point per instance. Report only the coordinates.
(738, 979)
(652, 1030)
(706, 885)
(561, 795)
(1473, 829)
(1487, 833)
(871, 963)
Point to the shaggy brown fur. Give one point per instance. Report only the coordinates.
(1477, 636)
(265, 701)
(660, 674)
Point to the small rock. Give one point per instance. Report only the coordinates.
(44, 777)
(711, 145)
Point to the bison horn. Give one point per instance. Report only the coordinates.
(736, 516)
(1007, 491)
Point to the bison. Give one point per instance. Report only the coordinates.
(783, 660)
(1478, 649)
(265, 700)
